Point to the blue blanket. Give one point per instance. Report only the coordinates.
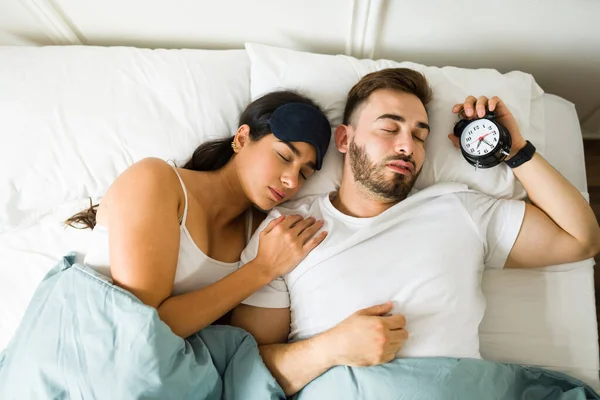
(85, 338)
(447, 379)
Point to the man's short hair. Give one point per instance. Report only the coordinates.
(401, 79)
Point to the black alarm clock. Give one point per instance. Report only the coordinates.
(484, 143)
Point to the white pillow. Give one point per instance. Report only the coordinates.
(73, 118)
(327, 79)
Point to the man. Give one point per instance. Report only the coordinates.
(425, 252)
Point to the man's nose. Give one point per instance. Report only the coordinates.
(405, 144)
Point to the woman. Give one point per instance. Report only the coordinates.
(173, 237)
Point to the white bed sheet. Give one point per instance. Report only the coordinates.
(541, 317)
(26, 254)
(547, 316)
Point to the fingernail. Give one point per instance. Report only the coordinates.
(469, 112)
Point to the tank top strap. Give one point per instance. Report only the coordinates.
(185, 207)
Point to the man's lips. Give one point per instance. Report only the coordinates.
(403, 167)
(277, 194)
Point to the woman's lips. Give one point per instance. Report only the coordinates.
(277, 194)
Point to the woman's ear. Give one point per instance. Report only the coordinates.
(342, 139)
(241, 138)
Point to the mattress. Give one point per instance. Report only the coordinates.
(543, 317)
(547, 316)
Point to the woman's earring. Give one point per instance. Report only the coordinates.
(234, 146)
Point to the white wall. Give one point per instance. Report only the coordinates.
(558, 41)
(211, 24)
(18, 26)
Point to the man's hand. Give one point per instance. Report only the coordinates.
(476, 107)
(368, 337)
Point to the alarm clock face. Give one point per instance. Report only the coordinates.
(480, 137)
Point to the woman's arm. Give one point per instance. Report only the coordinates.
(188, 313)
(142, 208)
(141, 211)
(284, 242)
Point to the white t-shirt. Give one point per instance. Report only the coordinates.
(426, 254)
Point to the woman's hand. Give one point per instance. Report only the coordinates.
(286, 241)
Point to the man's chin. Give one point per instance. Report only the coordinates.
(402, 180)
(394, 193)
(402, 189)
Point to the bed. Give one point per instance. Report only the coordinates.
(547, 316)
(542, 317)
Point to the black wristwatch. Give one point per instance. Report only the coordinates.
(524, 155)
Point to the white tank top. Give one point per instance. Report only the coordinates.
(195, 269)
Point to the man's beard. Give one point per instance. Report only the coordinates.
(375, 177)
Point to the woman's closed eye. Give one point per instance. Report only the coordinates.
(283, 158)
(287, 161)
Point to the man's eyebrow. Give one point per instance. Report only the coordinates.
(295, 150)
(400, 118)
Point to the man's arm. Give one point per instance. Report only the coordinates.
(293, 365)
(365, 338)
(560, 227)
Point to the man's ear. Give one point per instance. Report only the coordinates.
(242, 137)
(342, 137)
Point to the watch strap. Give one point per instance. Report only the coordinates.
(524, 155)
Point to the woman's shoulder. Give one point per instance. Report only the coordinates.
(149, 175)
(148, 179)
(151, 166)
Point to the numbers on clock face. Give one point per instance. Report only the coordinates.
(480, 137)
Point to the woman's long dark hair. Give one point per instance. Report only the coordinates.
(213, 155)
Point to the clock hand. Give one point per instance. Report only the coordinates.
(478, 143)
(488, 143)
(481, 137)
